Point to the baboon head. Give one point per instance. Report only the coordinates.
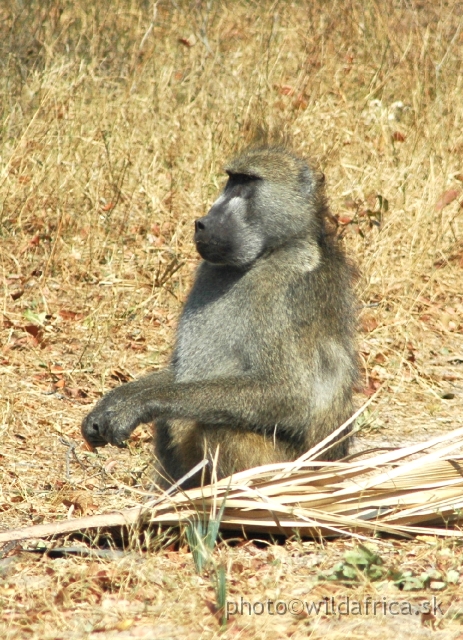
(271, 196)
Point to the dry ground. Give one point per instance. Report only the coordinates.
(115, 121)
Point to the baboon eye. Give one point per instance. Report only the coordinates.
(242, 178)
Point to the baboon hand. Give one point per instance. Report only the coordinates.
(111, 421)
(121, 410)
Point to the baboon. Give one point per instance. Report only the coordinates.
(264, 362)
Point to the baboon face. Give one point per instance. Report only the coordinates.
(227, 234)
(257, 211)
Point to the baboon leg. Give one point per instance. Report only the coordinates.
(341, 411)
(239, 450)
(173, 459)
(181, 444)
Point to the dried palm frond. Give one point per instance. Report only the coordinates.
(415, 489)
(384, 492)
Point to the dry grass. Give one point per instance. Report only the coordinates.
(115, 123)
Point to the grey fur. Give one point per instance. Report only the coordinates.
(265, 361)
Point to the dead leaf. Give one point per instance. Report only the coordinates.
(137, 346)
(35, 334)
(6, 323)
(345, 219)
(300, 103)
(285, 89)
(190, 41)
(67, 314)
(56, 368)
(446, 198)
(75, 392)
(120, 376)
(33, 242)
(428, 619)
(211, 606)
(398, 137)
(17, 294)
(369, 323)
(81, 501)
(372, 386)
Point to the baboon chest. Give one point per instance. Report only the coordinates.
(217, 333)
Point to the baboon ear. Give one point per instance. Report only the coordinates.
(308, 181)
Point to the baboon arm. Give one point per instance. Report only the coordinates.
(117, 414)
(236, 402)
